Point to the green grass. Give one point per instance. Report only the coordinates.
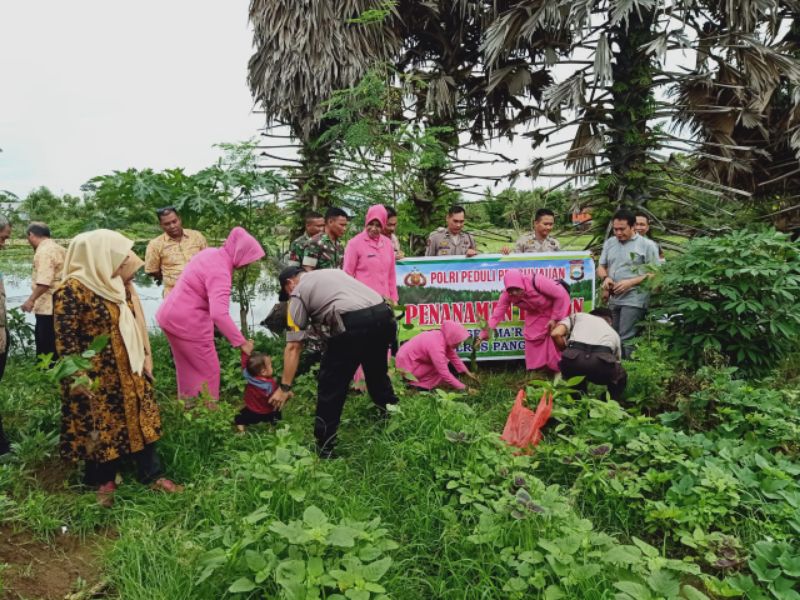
(460, 515)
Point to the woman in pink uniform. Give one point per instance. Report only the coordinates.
(427, 357)
(198, 302)
(544, 304)
(369, 256)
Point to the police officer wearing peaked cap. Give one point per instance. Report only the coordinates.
(361, 327)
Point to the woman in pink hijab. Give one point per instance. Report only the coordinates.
(198, 302)
(427, 357)
(369, 256)
(544, 304)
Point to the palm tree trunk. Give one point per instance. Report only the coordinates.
(312, 179)
(435, 196)
(632, 101)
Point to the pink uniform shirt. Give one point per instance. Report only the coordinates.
(201, 298)
(427, 355)
(550, 302)
(372, 261)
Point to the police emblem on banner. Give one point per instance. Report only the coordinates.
(576, 270)
(415, 279)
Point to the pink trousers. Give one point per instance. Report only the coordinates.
(542, 353)
(196, 366)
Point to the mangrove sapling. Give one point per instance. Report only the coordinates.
(20, 331)
(474, 344)
(559, 388)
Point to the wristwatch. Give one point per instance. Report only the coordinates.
(285, 387)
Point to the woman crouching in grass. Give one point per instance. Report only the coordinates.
(117, 416)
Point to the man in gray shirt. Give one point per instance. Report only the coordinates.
(622, 269)
(360, 328)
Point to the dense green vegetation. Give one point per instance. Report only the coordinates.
(232, 191)
(689, 489)
(741, 305)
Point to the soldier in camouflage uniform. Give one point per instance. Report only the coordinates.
(538, 240)
(315, 223)
(389, 231)
(276, 319)
(325, 250)
(452, 240)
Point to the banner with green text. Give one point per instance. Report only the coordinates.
(436, 289)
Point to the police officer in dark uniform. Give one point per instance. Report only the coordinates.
(360, 326)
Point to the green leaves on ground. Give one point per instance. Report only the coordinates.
(689, 491)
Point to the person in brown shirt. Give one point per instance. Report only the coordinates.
(48, 262)
(168, 254)
(538, 240)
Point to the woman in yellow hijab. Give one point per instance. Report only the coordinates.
(127, 272)
(116, 416)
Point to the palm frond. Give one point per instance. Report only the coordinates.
(304, 51)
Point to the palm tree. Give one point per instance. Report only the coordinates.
(304, 51)
(633, 52)
(443, 62)
(738, 104)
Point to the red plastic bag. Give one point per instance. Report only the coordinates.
(523, 426)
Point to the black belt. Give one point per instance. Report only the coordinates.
(365, 318)
(590, 347)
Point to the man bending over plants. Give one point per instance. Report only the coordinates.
(592, 349)
(359, 327)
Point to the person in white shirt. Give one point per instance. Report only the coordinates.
(591, 348)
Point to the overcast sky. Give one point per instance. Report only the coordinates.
(92, 86)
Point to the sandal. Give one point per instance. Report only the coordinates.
(105, 494)
(162, 484)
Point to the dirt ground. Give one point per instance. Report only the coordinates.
(33, 570)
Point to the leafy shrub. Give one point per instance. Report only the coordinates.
(21, 332)
(776, 565)
(715, 492)
(300, 558)
(649, 375)
(737, 295)
(545, 548)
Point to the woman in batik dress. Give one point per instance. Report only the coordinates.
(116, 416)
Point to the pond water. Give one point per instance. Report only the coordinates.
(16, 273)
